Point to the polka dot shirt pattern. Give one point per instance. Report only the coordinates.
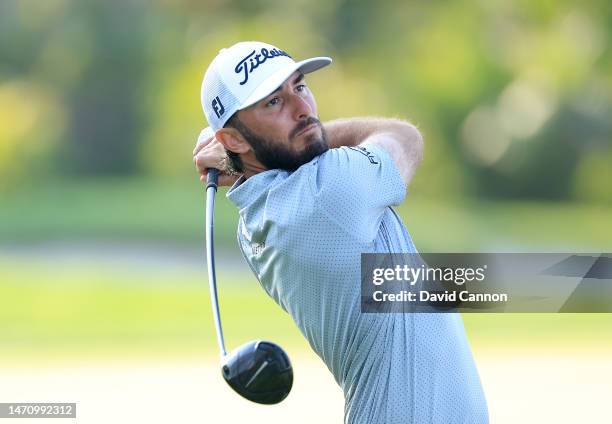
(303, 234)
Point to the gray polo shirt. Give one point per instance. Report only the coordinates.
(302, 234)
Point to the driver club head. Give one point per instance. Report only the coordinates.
(259, 371)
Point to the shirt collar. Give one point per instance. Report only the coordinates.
(244, 190)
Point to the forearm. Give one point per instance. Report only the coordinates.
(402, 140)
(354, 131)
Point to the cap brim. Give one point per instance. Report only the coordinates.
(279, 77)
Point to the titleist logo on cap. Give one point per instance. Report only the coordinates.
(252, 61)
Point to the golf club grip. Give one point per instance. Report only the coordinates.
(211, 189)
(212, 178)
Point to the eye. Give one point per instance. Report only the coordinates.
(301, 87)
(273, 101)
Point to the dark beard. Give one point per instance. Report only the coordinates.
(276, 155)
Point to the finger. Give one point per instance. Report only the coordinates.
(205, 160)
(205, 137)
(202, 144)
(211, 156)
(202, 163)
(227, 180)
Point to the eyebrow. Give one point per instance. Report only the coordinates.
(297, 79)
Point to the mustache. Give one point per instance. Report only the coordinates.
(305, 123)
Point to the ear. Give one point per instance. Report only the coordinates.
(232, 140)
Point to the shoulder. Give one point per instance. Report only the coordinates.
(356, 155)
(346, 168)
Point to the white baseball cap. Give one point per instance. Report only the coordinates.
(245, 73)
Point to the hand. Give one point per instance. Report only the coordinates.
(209, 153)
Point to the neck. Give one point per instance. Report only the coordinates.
(251, 166)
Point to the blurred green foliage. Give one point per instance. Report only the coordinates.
(513, 97)
(120, 210)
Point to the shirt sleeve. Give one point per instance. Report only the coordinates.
(354, 186)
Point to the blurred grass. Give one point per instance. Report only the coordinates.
(85, 309)
(171, 211)
(67, 309)
(114, 209)
(48, 312)
(52, 310)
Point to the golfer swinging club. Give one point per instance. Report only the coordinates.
(312, 198)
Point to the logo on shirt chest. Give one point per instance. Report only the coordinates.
(257, 248)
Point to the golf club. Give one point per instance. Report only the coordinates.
(259, 371)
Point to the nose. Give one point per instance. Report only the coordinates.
(301, 108)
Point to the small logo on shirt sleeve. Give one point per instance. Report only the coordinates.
(366, 153)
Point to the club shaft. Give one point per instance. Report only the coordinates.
(211, 190)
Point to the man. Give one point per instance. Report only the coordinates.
(312, 198)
